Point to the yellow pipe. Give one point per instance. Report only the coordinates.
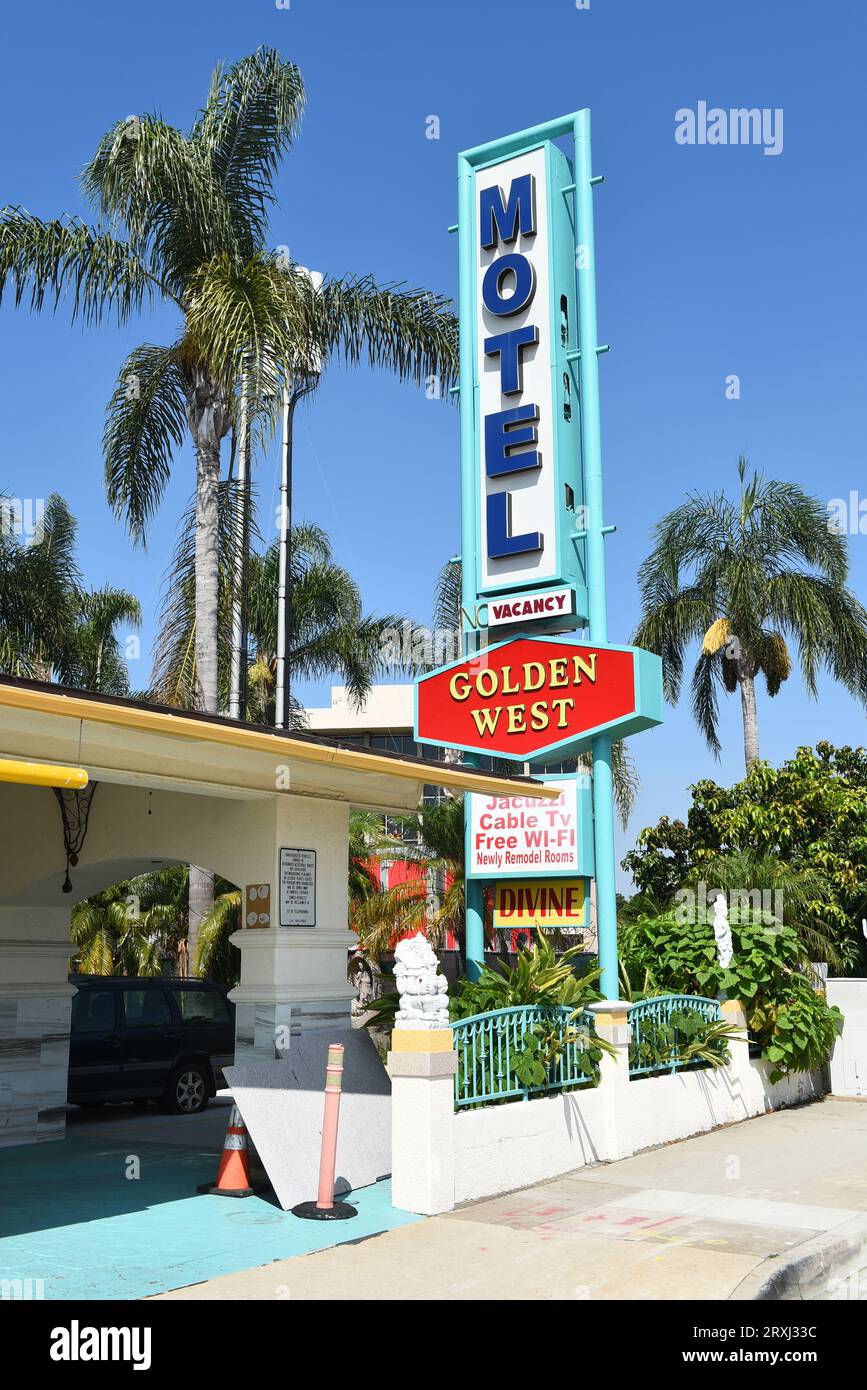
(257, 740)
(43, 774)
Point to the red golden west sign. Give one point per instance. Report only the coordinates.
(530, 696)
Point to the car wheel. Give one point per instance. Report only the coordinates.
(188, 1091)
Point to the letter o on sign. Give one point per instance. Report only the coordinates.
(524, 288)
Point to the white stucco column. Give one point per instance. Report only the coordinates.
(422, 1068)
(848, 1063)
(293, 978)
(738, 1065)
(612, 1026)
(35, 1000)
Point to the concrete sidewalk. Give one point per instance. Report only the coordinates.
(774, 1207)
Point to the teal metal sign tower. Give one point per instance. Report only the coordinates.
(532, 520)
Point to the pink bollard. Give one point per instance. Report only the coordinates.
(325, 1208)
(331, 1116)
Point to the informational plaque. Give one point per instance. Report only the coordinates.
(297, 887)
(257, 909)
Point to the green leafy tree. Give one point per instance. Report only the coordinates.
(215, 956)
(800, 827)
(95, 660)
(794, 894)
(40, 583)
(434, 899)
(365, 831)
(746, 578)
(184, 219)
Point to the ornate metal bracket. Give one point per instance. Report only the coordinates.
(75, 813)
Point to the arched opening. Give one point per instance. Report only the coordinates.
(135, 918)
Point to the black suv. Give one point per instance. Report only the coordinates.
(148, 1039)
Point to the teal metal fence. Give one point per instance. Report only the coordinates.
(662, 1030)
(511, 1054)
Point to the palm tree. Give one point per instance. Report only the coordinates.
(330, 632)
(39, 582)
(130, 928)
(95, 661)
(742, 577)
(214, 955)
(184, 219)
(51, 627)
(366, 829)
(432, 842)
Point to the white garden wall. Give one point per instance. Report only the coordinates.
(848, 1065)
(501, 1147)
(441, 1158)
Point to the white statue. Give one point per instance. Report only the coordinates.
(424, 1000)
(722, 931)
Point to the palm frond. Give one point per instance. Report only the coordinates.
(214, 948)
(249, 120)
(408, 331)
(148, 177)
(707, 676)
(145, 425)
(67, 260)
(448, 597)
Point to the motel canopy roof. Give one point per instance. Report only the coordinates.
(132, 742)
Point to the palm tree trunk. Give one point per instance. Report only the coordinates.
(751, 721)
(201, 900)
(208, 420)
(207, 572)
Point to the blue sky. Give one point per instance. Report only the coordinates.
(711, 261)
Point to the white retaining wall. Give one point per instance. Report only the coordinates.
(501, 1147)
(848, 1065)
(441, 1158)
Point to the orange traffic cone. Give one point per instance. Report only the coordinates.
(233, 1174)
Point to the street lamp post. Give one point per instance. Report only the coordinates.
(237, 701)
(296, 385)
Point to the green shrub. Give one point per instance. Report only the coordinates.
(792, 1023)
(538, 978)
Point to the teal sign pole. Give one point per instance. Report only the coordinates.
(474, 925)
(588, 375)
(531, 454)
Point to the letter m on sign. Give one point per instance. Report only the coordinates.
(499, 220)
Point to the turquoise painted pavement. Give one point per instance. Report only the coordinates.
(70, 1216)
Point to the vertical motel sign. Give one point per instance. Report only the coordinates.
(528, 490)
(532, 532)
